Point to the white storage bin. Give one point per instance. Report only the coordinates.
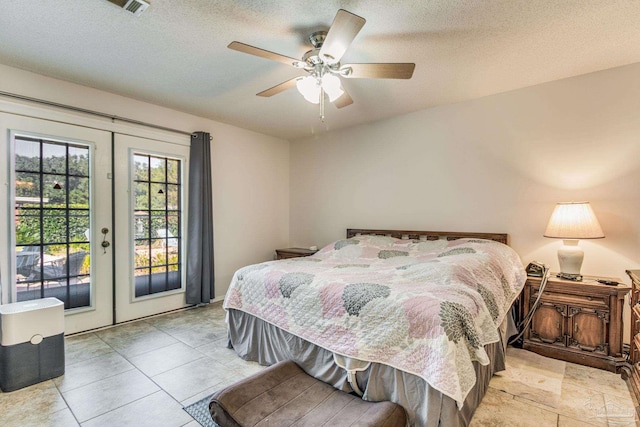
(31, 342)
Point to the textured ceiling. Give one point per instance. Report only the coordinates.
(175, 53)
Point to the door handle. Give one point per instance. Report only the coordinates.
(105, 243)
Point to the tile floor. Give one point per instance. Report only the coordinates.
(143, 373)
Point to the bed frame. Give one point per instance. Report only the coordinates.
(429, 235)
(427, 404)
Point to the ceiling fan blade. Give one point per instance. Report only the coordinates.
(344, 100)
(344, 29)
(380, 71)
(279, 88)
(252, 50)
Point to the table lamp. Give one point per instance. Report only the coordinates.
(571, 221)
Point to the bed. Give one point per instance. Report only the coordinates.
(419, 318)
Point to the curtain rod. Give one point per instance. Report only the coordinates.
(92, 112)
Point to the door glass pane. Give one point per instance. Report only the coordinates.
(141, 224)
(27, 187)
(54, 190)
(158, 197)
(142, 251)
(78, 161)
(173, 196)
(159, 226)
(142, 282)
(78, 192)
(52, 217)
(54, 226)
(156, 211)
(173, 167)
(141, 166)
(158, 257)
(28, 156)
(54, 157)
(79, 226)
(158, 169)
(173, 224)
(142, 195)
(27, 223)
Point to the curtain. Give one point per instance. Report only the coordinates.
(200, 272)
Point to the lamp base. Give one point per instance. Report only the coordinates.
(570, 257)
(567, 276)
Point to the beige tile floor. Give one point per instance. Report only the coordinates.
(143, 373)
(538, 391)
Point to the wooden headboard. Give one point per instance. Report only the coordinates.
(429, 235)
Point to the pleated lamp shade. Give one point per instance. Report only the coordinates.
(574, 220)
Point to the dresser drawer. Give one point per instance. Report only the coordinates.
(594, 301)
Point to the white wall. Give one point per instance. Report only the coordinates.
(495, 164)
(250, 170)
(498, 163)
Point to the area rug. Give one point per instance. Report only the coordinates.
(199, 411)
(531, 376)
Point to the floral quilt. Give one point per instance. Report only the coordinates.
(427, 308)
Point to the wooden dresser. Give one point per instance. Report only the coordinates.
(633, 371)
(580, 322)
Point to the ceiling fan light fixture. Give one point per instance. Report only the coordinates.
(323, 64)
(309, 87)
(331, 85)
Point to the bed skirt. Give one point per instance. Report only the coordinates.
(256, 340)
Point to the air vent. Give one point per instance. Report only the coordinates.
(134, 6)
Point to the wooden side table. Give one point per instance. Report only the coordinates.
(580, 322)
(294, 253)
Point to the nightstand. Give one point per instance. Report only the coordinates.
(294, 253)
(579, 322)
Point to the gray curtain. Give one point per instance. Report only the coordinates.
(200, 275)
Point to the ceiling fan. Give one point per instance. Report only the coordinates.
(322, 63)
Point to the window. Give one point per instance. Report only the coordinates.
(157, 210)
(52, 221)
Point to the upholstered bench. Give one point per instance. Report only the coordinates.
(284, 395)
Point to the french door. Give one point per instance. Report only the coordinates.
(53, 217)
(150, 187)
(68, 229)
